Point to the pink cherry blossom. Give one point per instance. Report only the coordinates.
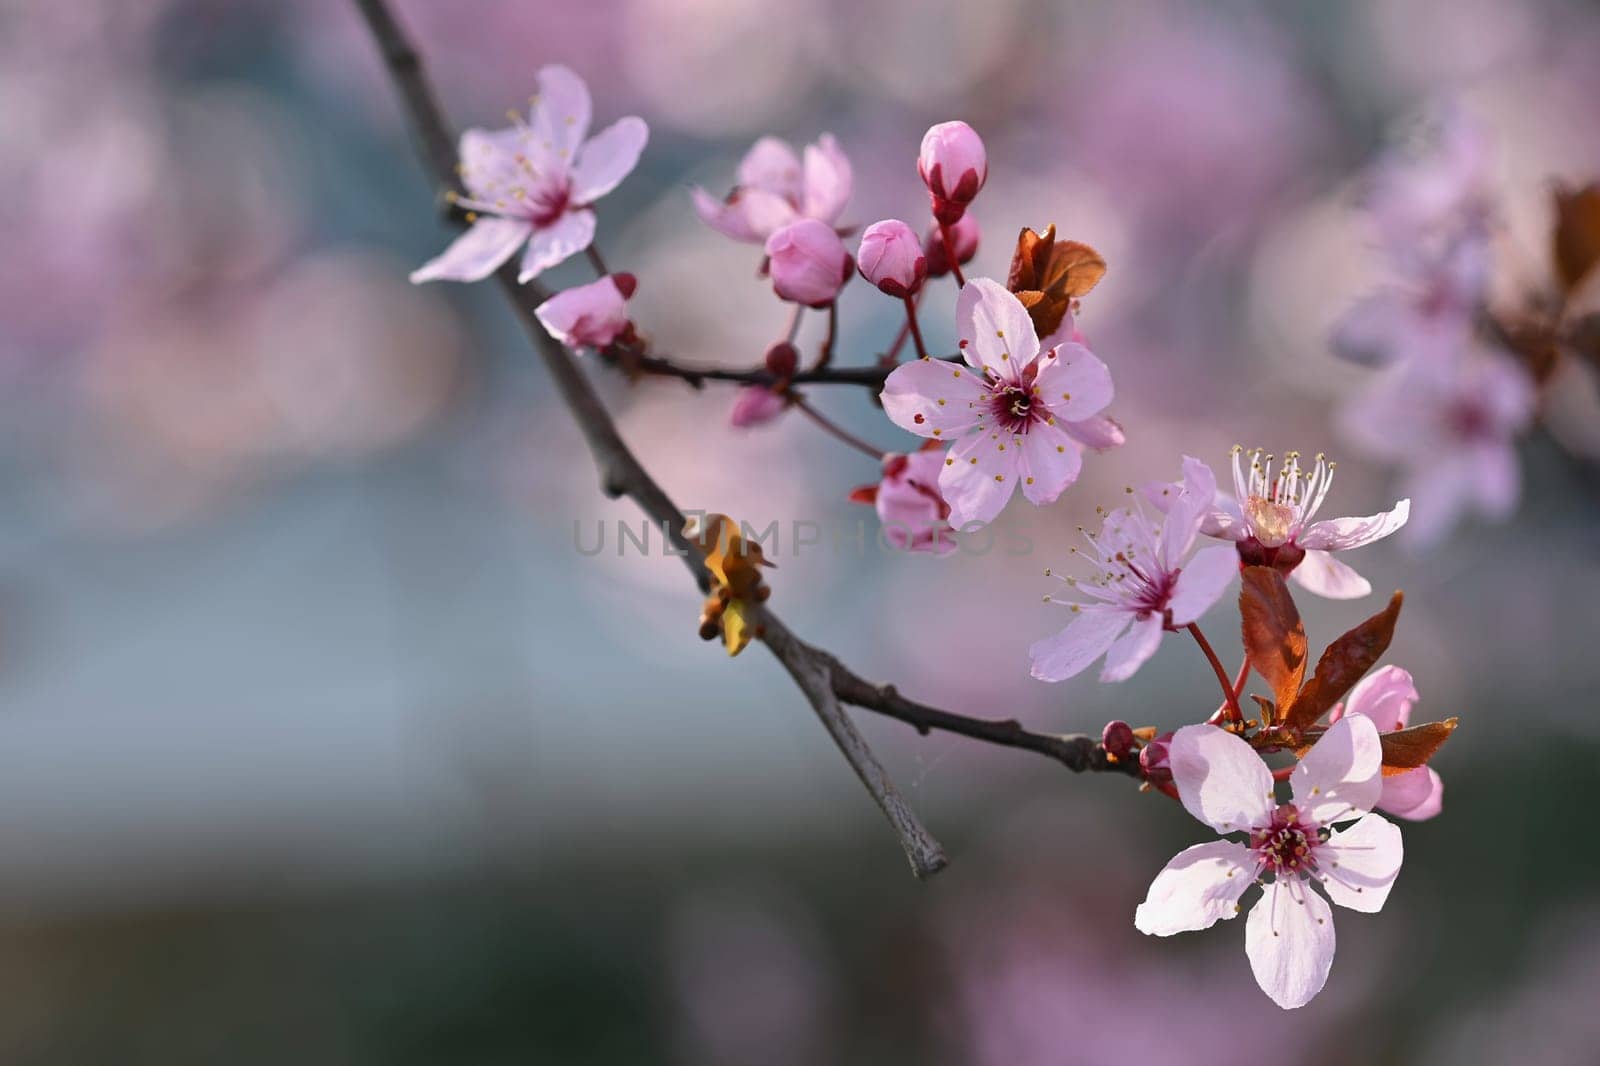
(1015, 415)
(808, 262)
(754, 405)
(891, 257)
(1450, 421)
(1386, 696)
(1142, 584)
(1273, 525)
(534, 183)
(1289, 936)
(909, 505)
(588, 316)
(775, 188)
(954, 165)
(965, 235)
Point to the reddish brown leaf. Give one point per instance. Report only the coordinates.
(1344, 663)
(1047, 275)
(1406, 749)
(1576, 240)
(1274, 638)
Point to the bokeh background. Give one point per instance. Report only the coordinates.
(319, 742)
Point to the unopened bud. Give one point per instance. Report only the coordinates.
(1117, 738)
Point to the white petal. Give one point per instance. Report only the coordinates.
(1358, 866)
(1202, 582)
(1132, 649)
(560, 119)
(1338, 534)
(1194, 502)
(608, 158)
(1220, 780)
(1386, 696)
(1321, 573)
(933, 398)
(475, 254)
(828, 180)
(1342, 775)
(1073, 383)
(1415, 795)
(552, 244)
(771, 166)
(994, 328)
(1081, 643)
(1289, 941)
(1198, 888)
(979, 480)
(1050, 462)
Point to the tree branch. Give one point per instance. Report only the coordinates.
(825, 681)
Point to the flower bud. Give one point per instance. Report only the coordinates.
(963, 234)
(754, 405)
(954, 166)
(808, 262)
(591, 315)
(782, 360)
(1117, 739)
(1154, 762)
(891, 258)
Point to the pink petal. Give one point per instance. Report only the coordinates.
(1065, 655)
(1073, 383)
(995, 329)
(1341, 776)
(475, 254)
(1439, 492)
(561, 112)
(1193, 503)
(1359, 865)
(765, 213)
(1220, 780)
(552, 244)
(1337, 534)
(1202, 582)
(727, 219)
(1321, 573)
(931, 394)
(754, 405)
(1132, 649)
(1498, 483)
(771, 166)
(1289, 941)
(489, 160)
(1386, 696)
(1198, 888)
(1097, 432)
(608, 158)
(980, 479)
(585, 316)
(1050, 462)
(828, 180)
(1415, 795)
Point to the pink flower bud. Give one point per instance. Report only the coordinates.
(755, 404)
(891, 258)
(1117, 738)
(782, 359)
(954, 166)
(591, 315)
(1154, 760)
(963, 234)
(808, 262)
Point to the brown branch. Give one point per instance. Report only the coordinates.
(825, 681)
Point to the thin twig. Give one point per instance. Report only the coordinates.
(833, 428)
(916, 330)
(1230, 700)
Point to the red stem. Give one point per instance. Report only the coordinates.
(916, 330)
(825, 356)
(1231, 701)
(950, 253)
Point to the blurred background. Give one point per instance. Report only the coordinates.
(320, 742)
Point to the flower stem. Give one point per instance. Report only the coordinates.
(825, 356)
(833, 428)
(950, 253)
(596, 261)
(892, 356)
(916, 330)
(1231, 701)
(794, 323)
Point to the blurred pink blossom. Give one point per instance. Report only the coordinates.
(1225, 784)
(775, 189)
(588, 316)
(1386, 696)
(808, 262)
(534, 183)
(1008, 420)
(1142, 579)
(754, 405)
(913, 513)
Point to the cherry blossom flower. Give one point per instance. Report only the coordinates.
(589, 316)
(907, 499)
(1289, 935)
(1273, 526)
(891, 257)
(954, 165)
(534, 183)
(1386, 696)
(1141, 586)
(1016, 415)
(775, 189)
(808, 262)
(1450, 421)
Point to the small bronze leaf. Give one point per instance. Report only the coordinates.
(1274, 638)
(1575, 243)
(1406, 749)
(1344, 663)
